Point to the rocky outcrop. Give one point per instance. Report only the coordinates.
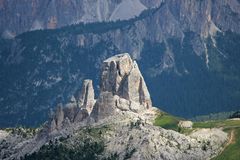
(86, 97)
(122, 89)
(121, 76)
(78, 109)
(185, 124)
(59, 117)
(105, 106)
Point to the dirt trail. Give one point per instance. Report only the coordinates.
(231, 140)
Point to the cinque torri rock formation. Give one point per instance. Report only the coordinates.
(123, 89)
(121, 117)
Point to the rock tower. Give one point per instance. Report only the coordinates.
(122, 89)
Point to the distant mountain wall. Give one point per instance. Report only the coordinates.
(21, 16)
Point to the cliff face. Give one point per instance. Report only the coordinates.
(18, 17)
(204, 17)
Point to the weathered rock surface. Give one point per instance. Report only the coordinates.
(105, 106)
(185, 124)
(59, 117)
(78, 109)
(86, 97)
(122, 77)
(52, 14)
(122, 87)
(145, 141)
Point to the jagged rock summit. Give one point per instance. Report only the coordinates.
(121, 76)
(122, 88)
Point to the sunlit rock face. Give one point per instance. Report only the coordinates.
(122, 77)
(122, 87)
(86, 97)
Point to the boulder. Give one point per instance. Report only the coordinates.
(122, 88)
(185, 124)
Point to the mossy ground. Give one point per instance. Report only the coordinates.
(167, 121)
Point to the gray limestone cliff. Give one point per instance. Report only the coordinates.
(122, 77)
(122, 88)
(122, 85)
(199, 16)
(86, 97)
(22, 16)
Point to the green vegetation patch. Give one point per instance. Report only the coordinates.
(22, 131)
(167, 121)
(217, 124)
(86, 144)
(88, 149)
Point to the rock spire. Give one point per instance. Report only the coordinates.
(122, 89)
